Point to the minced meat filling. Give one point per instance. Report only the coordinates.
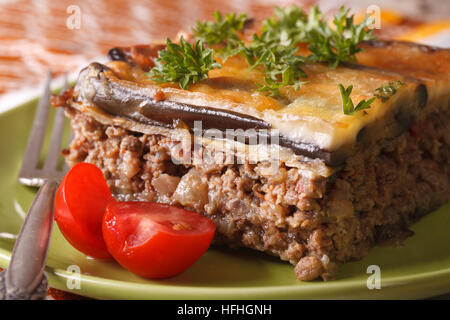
(313, 223)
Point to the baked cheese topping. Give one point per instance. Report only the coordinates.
(311, 115)
(310, 118)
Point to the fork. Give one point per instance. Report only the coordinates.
(25, 278)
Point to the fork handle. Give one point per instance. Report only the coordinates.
(25, 270)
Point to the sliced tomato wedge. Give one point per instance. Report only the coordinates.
(80, 205)
(155, 240)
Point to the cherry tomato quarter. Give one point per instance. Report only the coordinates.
(155, 240)
(80, 205)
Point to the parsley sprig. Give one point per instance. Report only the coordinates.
(221, 31)
(183, 63)
(385, 91)
(282, 67)
(347, 104)
(276, 48)
(333, 44)
(338, 43)
(287, 26)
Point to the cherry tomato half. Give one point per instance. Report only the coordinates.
(155, 240)
(80, 204)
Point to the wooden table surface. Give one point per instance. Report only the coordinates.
(34, 34)
(37, 35)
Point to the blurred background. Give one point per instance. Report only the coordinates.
(66, 34)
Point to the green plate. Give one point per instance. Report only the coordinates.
(420, 268)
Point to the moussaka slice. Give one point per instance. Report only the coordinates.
(293, 176)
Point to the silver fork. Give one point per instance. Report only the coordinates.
(25, 278)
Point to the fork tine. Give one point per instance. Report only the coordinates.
(71, 136)
(33, 150)
(55, 141)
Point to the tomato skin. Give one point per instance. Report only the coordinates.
(155, 240)
(80, 204)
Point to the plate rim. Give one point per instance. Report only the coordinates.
(395, 284)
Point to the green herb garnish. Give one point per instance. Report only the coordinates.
(338, 43)
(282, 67)
(222, 31)
(347, 104)
(183, 63)
(275, 49)
(388, 90)
(291, 26)
(332, 44)
(287, 27)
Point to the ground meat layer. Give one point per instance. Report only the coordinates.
(312, 222)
